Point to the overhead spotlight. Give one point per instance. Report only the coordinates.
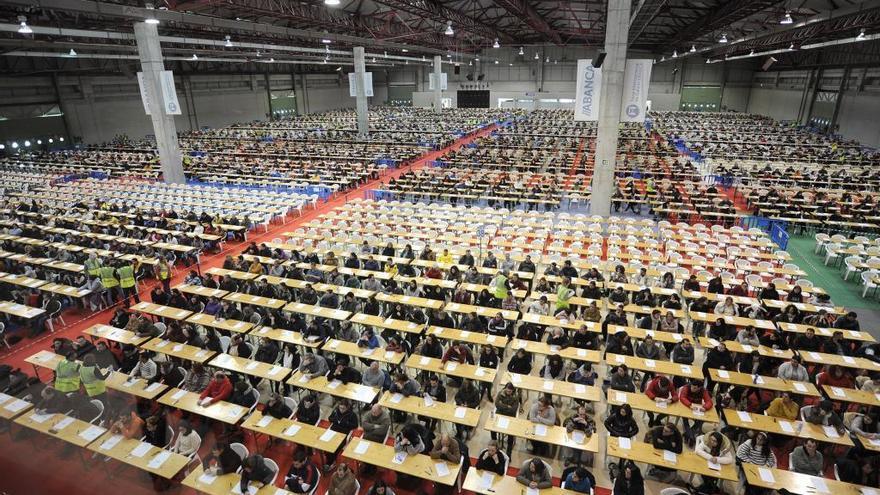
(496, 44)
(404, 50)
(406, 62)
(27, 144)
(151, 19)
(510, 64)
(374, 60)
(476, 59)
(448, 55)
(271, 60)
(327, 48)
(708, 60)
(470, 63)
(555, 61)
(14, 145)
(537, 57)
(663, 58)
(786, 19)
(521, 52)
(751, 52)
(723, 38)
(791, 46)
(326, 41)
(71, 53)
(2, 146)
(339, 69)
(386, 54)
(547, 60)
(24, 28)
(423, 58)
(228, 43)
(51, 140)
(61, 139)
(196, 57)
(496, 62)
(449, 31)
(331, 3)
(860, 37)
(39, 141)
(259, 54)
(674, 54)
(693, 49)
(325, 61)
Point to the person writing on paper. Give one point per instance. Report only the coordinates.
(313, 365)
(581, 423)
(254, 468)
(620, 423)
(343, 419)
(404, 385)
(715, 448)
(128, 424)
(823, 414)
(664, 437)
(188, 441)
(542, 412)
(491, 459)
(661, 391)
(219, 389)
(783, 407)
(221, 460)
(806, 458)
(343, 481)
(52, 401)
(534, 474)
(145, 368)
(302, 475)
(309, 411)
(578, 481)
(409, 440)
(697, 398)
(756, 450)
(446, 449)
(630, 481)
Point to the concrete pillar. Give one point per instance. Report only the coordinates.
(616, 33)
(438, 93)
(360, 69)
(150, 54)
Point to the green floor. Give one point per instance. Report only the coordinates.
(830, 278)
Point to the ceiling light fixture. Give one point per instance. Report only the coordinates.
(404, 50)
(860, 37)
(271, 60)
(537, 57)
(547, 60)
(674, 54)
(331, 3)
(386, 54)
(786, 19)
(449, 31)
(24, 29)
(339, 69)
(496, 44)
(151, 19)
(663, 58)
(791, 46)
(326, 41)
(71, 53)
(521, 51)
(496, 62)
(723, 38)
(693, 49)
(196, 57)
(228, 43)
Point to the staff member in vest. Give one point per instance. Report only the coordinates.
(110, 283)
(163, 273)
(127, 282)
(93, 378)
(564, 292)
(92, 265)
(500, 286)
(67, 374)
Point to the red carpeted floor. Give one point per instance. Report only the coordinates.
(35, 464)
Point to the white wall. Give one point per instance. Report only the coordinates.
(858, 118)
(781, 104)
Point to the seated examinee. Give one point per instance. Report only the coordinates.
(302, 475)
(491, 459)
(376, 423)
(187, 441)
(254, 469)
(534, 474)
(806, 458)
(276, 407)
(308, 411)
(630, 481)
(221, 460)
(578, 481)
(756, 450)
(128, 424)
(343, 481)
(380, 488)
(620, 423)
(343, 420)
(145, 368)
(219, 389)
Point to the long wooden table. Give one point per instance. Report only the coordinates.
(686, 461)
(444, 411)
(556, 435)
(225, 412)
(779, 426)
(139, 454)
(803, 484)
(419, 465)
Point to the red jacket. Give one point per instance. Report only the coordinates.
(653, 390)
(217, 391)
(826, 378)
(688, 399)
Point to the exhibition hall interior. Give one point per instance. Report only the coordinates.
(440, 247)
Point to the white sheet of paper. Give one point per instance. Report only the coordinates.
(161, 457)
(304, 379)
(178, 395)
(838, 391)
(624, 443)
(548, 385)
(141, 449)
(16, 405)
(4, 397)
(292, 430)
(327, 436)
(460, 412)
(650, 363)
(746, 348)
(130, 383)
(830, 431)
(815, 356)
(819, 484)
(64, 423)
(424, 360)
(532, 491)
(177, 348)
(265, 421)
(786, 426)
(620, 358)
(361, 448)
(502, 422)
(540, 430)
(580, 389)
(670, 457)
(207, 478)
(479, 372)
(275, 370)
(252, 365)
(451, 366)
(399, 458)
(713, 466)
(92, 432)
(744, 416)
(620, 397)
(515, 378)
(686, 369)
(849, 360)
(153, 387)
(800, 387)
(758, 379)
(251, 489)
(396, 398)
(201, 353)
(487, 480)
(578, 436)
(766, 475)
(441, 468)
(111, 442)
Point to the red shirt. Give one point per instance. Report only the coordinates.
(653, 390)
(217, 391)
(689, 398)
(826, 378)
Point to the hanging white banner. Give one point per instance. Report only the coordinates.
(169, 93)
(352, 84)
(634, 103)
(145, 96)
(588, 92)
(443, 81)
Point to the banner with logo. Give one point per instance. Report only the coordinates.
(169, 93)
(633, 105)
(432, 81)
(352, 84)
(145, 95)
(588, 92)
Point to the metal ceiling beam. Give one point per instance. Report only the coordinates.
(642, 15)
(524, 10)
(722, 17)
(90, 7)
(438, 13)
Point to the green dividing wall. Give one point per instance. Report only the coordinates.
(700, 98)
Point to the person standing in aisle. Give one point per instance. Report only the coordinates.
(110, 282)
(163, 273)
(127, 281)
